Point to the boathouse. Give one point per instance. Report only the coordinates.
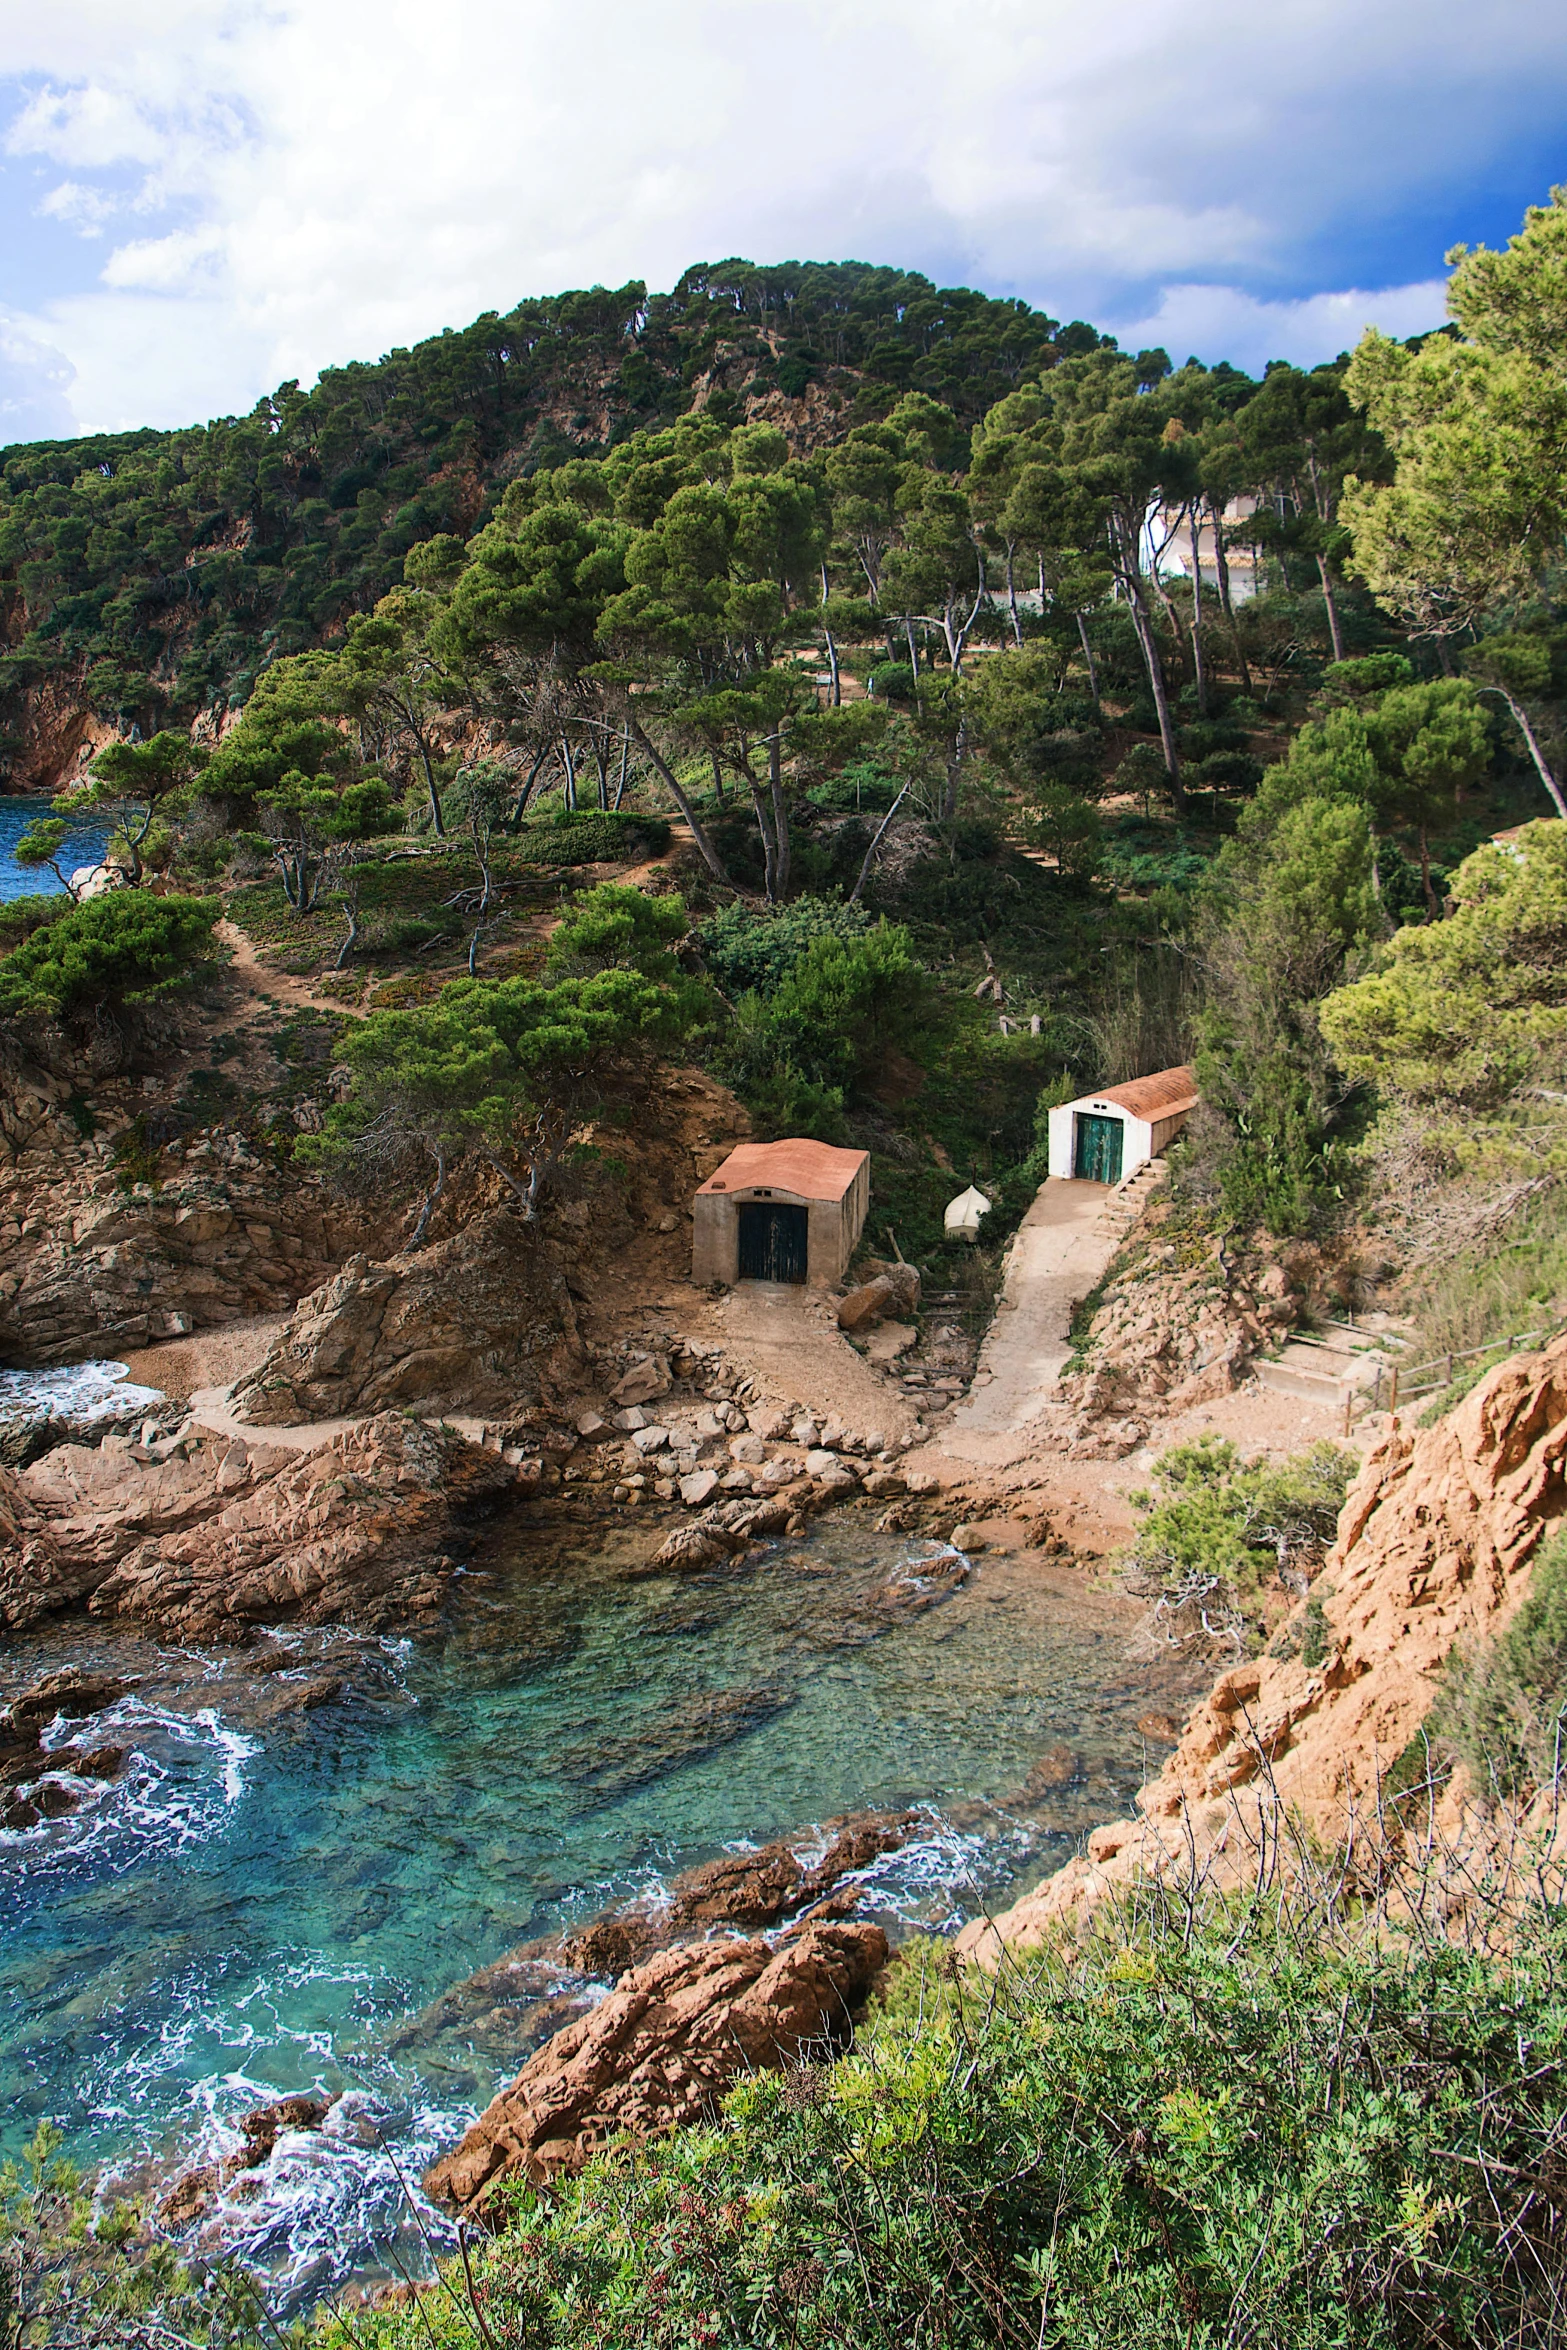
(780, 1211)
(1107, 1136)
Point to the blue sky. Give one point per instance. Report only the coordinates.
(200, 198)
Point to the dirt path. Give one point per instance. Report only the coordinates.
(790, 1342)
(264, 979)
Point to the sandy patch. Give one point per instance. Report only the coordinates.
(208, 1358)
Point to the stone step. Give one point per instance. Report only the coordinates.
(1325, 1374)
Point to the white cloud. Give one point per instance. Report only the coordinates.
(327, 181)
(35, 387)
(1220, 322)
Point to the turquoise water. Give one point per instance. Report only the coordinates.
(259, 1906)
(83, 845)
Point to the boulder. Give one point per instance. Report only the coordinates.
(476, 1322)
(859, 1308)
(698, 1488)
(749, 1451)
(662, 2049)
(644, 1382)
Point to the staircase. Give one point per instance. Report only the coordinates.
(1333, 1369)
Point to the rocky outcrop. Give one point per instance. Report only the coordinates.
(89, 1267)
(894, 1289)
(662, 2048)
(204, 1537)
(1434, 1546)
(480, 1321)
(506, 2009)
(1178, 1325)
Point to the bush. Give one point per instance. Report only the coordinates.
(1221, 1520)
(1170, 2141)
(121, 949)
(746, 951)
(599, 837)
(21, 917)
(1504, 1708)
(77, 2275)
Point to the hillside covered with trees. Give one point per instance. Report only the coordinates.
(912, 714)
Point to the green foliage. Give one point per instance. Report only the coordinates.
(842, 1006)
(498, 1071)
(124, 948)
(746, 951)
(1218, 1519)
(1463, 1010)
(75, 2276)
(595, 838)
(1291, 898)
(616, 928)
(1177, 2139)
(1503, 1707)
(19, 917)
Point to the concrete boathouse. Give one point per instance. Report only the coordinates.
(1107, 1136)
(780, 1211)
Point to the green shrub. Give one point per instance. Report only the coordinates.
(1504, 1707)
(78, 2275)
(1221, 1519)
(1174, 2142)
(596, 837)
(21, 917)
(754, 953)
(121, 949)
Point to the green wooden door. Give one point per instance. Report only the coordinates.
(1097, 1154)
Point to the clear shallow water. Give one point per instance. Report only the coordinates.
(264, 1905)
(83, 845)
(78, 1391)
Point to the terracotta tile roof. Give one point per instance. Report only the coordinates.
(1152, 1098)
(812, 1170)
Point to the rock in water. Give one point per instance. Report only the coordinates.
(662, 2049)
(225, 1535)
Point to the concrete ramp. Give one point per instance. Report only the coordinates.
(1060, 1251)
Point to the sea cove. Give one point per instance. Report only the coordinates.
(265, 1899)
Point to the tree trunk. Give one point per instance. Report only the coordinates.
(705, 849)
(718, 779)
(1088, 656)
(775, 785)
(914, 659)
(1335, 632)
(568, 792)
(876, 841)
(1151, 662)
(832, 650)
(432, 1199)
(949, 801)
(1017, 625)
(625, 761)
(1199, 673)
(603, 772)
(520, 805)
(351, 917)
(1221, 565)
(1542, 765)
(436, 819)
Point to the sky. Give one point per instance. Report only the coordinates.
(200, 199)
